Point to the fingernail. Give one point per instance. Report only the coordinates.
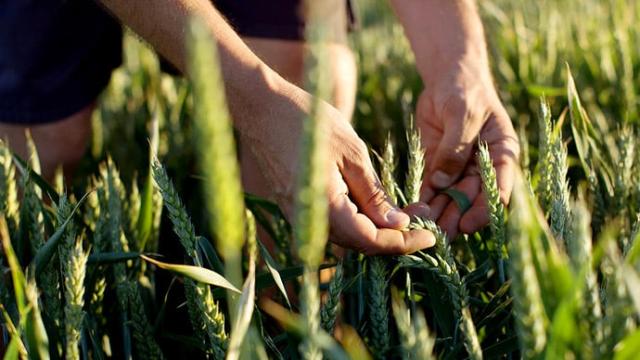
(395, 216)
(440, 179)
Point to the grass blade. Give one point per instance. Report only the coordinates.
(197, 273)
(43, 256)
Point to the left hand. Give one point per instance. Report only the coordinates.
(452, 114)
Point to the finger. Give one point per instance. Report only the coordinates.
(441, 201)
(449, 221)
(395, 242)
(504, 148)
(348, 228)
(418, 209)
(426, 192)
(438, 204)
(369, 194)
(477, 217)
(356, 231)
(455, 147)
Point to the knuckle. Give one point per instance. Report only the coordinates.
(357, 158)
(398, 249)
(361, 151)
(454, 155)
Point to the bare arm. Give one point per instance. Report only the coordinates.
(163, 24)
(444, 34)
(267, 111)
(459, 105)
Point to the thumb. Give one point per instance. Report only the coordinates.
(450, 160)
(452, 155)
(369, 195)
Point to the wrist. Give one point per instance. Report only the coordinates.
(465, 78)
(252, 96)
(447, 68)
(268, 106)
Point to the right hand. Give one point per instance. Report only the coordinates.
(361, 215)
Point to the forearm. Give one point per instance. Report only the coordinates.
(446, 37)
(164, 24)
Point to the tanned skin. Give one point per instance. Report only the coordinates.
(459, 105)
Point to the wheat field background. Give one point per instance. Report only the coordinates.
(153, 252)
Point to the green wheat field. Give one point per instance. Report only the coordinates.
(153, 252)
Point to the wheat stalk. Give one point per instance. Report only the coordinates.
(579, 251)
(528, 308)
(545, 158)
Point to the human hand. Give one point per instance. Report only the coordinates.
(361, 215)
(452, 114)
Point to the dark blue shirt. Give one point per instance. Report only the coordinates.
(56, 56)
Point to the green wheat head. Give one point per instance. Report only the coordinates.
(203, 309)
(545, 157)
(8, 187)
(388, 168)
(560, 214)
(445, 267)
(310, 311)
(496, 209)
(74, 271)
(378, 304)
(142, 331)
(416, 164)
(331, 307)
(31, 216)
(416, 341)
(182, 225)
(617, 309)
